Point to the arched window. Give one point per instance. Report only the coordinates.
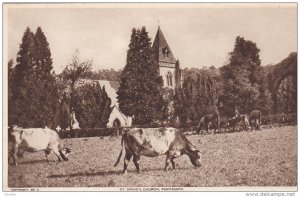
(165, 51)
(169, 79)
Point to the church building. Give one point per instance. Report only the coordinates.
(168, 66)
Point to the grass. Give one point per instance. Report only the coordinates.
(259, 158)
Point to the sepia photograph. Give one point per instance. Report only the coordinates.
(147, 97)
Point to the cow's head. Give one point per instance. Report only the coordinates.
(13, 131)
(66, 151)
(195, 157)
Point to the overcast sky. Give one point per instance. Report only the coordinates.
(201, 35)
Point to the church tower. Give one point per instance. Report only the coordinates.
(168, 66)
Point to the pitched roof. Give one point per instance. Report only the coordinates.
(161, 49)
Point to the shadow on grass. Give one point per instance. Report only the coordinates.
(100, 173)
(106, 173)
(32, 162)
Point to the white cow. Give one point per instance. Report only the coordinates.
(35, 139)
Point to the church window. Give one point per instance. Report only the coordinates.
(169, 79)
(166, 51)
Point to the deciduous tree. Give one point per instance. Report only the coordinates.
(73, 72)
(243, 84)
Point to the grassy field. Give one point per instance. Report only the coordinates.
(259, 158)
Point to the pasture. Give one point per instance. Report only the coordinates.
(258, 158)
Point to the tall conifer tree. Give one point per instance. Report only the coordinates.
(140, 91)
(34, 93)
(23, 82)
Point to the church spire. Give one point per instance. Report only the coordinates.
(161, 49)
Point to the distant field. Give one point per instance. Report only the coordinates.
(259, 158)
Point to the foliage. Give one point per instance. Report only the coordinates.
(243, 84)
(105, 74)
(168, 109)
(92, 106)
(197, 97)
(140, 94)
(72, 73)
(33, 92)
(282, 82)
(11, 76)
(287, 96)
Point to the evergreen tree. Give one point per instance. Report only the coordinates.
(42, 55)
(22, 113)
(181, 106)
(140, 93)
(11, 76)
(92, 106)
(46, 91)
(197, 97)
(34, 93)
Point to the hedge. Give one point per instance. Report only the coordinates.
(78, 133)
(279, 119)
(272, 120)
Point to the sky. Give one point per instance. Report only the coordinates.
(198, 34)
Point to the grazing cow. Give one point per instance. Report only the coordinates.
(255, 119)
(224, 123)
(209, 121)
(153, 142)
(237, 121)
(35, 139)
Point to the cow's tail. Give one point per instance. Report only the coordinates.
(121, 152)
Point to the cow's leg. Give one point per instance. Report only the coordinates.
(167, 163)
(20, 153)
(136, 161)
(13, 153)
(207, 129)
(47, 153)
(173, 163)
(126, 161)
(258, 124)
(55, 151)
(198, 129)
(168, 160)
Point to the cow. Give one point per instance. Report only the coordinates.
(153, 142)
(208, 121)
(237, 121)
(224, 123)
(34, 140)
(255, 119)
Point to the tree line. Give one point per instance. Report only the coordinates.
(38, 97)
(239, 85)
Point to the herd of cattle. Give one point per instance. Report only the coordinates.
(137, 142)
(214, 121)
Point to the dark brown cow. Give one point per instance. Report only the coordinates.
(153, 142)
(209, 121)
(255, 119)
